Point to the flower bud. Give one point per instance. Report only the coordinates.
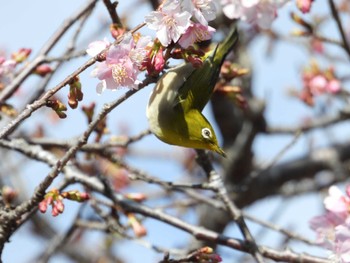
(89, 111)
(21, 55)
(43, 70)
(195, 61)
(58, 107)
(304, 5)
(8, 194)
(138, 228)
(75, 93)
(116, 30)
(43, 206)
(137, 197)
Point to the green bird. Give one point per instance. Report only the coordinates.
(175, 107)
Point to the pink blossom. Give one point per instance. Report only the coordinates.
(202, 10)
(21, 55)
(304, 5)
(97, 46)
(196, 33)
(324, 226)
(341, 246)
(115, 74)
(121, 67)
(232, 9)
(333, 86)
(155, 61)
(336, 201)
(260, 12)
(159, 61)
(7, 70)
(7, 66)
(333, 228)
(317, 84)
(169, 22)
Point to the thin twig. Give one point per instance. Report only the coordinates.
(11, 126)
(11, 88)
(208, 235)
(111, 7)
(336, 17)
(315, 124)
(57, 168)
(218, 185)
(90, 147)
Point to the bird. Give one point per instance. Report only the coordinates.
(174, 110)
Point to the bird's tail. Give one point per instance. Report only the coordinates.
(225, 47)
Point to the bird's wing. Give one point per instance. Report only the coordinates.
(198, 87)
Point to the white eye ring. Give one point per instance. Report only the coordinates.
(206, 133)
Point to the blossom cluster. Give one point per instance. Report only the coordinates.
(333, 227)
(7, 70)
(259, 12)
(317, 82)
(178, 23)
(8, 66)
(55, 199)
(185, 22)
(122, 64)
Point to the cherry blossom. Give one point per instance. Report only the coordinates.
(155, 61)
(169, 22)
(341, 247)
(318, 82)
(333, 228)
(7, 70)
(336, 201)
(202, 10)
(333, 86)
(121, 67)
(260, 12)
(324, 226)
(196, 33)
(97, 46)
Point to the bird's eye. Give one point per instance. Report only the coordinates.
(206, 133)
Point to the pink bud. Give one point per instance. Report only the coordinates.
(317, 46)
(55, 211)
(59, 206)
(43, 70)
(304, 5)
(159, 61)
(9, 194)
(21, 55)
(333, 86)
(138, 228)
(137, 197)
(195, 61)
(84, 196)
(43, 206)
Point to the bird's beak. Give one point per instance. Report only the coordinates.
(220, 151)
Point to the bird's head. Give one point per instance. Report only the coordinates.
(201, 134)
